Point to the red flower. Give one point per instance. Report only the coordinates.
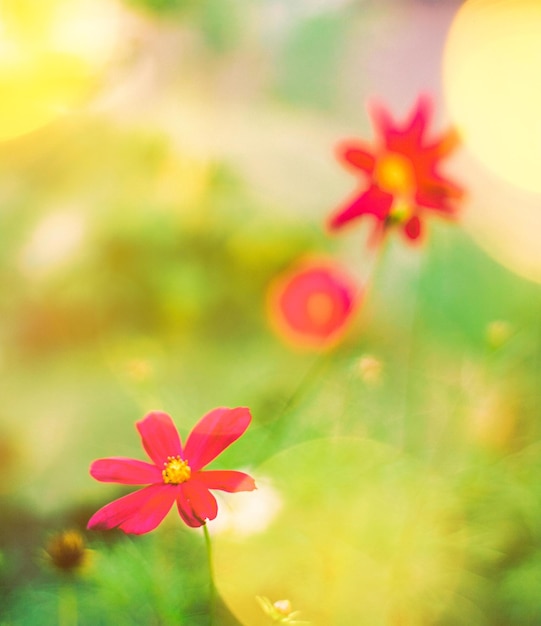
(311, 304)
(401, 173)
(175, 474)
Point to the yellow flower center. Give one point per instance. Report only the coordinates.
(394, 173)
(176, 471)
(320, 308)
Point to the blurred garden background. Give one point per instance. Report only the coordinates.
(162, 162)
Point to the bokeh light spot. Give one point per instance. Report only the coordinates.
(50, 55)
(493, 85)
(363, 535)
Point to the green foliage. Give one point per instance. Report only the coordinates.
(135, 265)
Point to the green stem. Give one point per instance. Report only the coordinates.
(304, 383)
(322, 359)
(212, 586)
(67, 606)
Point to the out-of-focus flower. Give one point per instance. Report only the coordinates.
(248, 513)
(401, 173)
(67, 552)
(370, 369)
(311, 304)
(175, 474)
(280, 611)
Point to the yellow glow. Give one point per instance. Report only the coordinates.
(504, 219)
(394, 173)
(49, 52)
(367, 525)
(493, 85)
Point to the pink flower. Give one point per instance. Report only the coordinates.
(401, 178)
(175, 474)
(311, 304)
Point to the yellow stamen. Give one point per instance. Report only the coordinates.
(176, 471)
(394, 173)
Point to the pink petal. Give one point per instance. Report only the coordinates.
(195, 503)
(213, 434)
(138, 512)
(159, 436)
(125, 471)
(382, 120)
(357, 156)
(419, 118)
(406, 138)
(445, 144)
(373, 201)
(413, 228)
(226, 480)
(439, 194)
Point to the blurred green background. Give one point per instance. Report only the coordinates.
(177, 156)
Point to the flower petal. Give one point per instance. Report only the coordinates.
(381, 120)
(195, 503)
(311, 304)
(417, 123)
(373, 201)
(125, 471)
(413, 228)
(226, 480)
(138, 512)
(214, 433)
(438, 194)
(406, 138)
(445, 144)
(359, 157)
(159, 436)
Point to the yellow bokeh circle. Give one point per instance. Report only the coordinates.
(492, 82)
(50, 53)
(346, 531)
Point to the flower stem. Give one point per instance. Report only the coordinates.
(67, 606)
(322, 359)
(212, 586)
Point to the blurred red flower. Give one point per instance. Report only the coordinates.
(175, 474)
(401, 173)
(311, 304)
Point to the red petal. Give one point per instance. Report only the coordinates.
(407, 138)
(358, 157)
(419, 119)
(138, 512)
(374, 201)
(226, 480)
(195, 503)
(413, 228)
(382, 120)
(159, 436)
(438, 193)
(125, 471)
(214, 433)
(445, 144)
